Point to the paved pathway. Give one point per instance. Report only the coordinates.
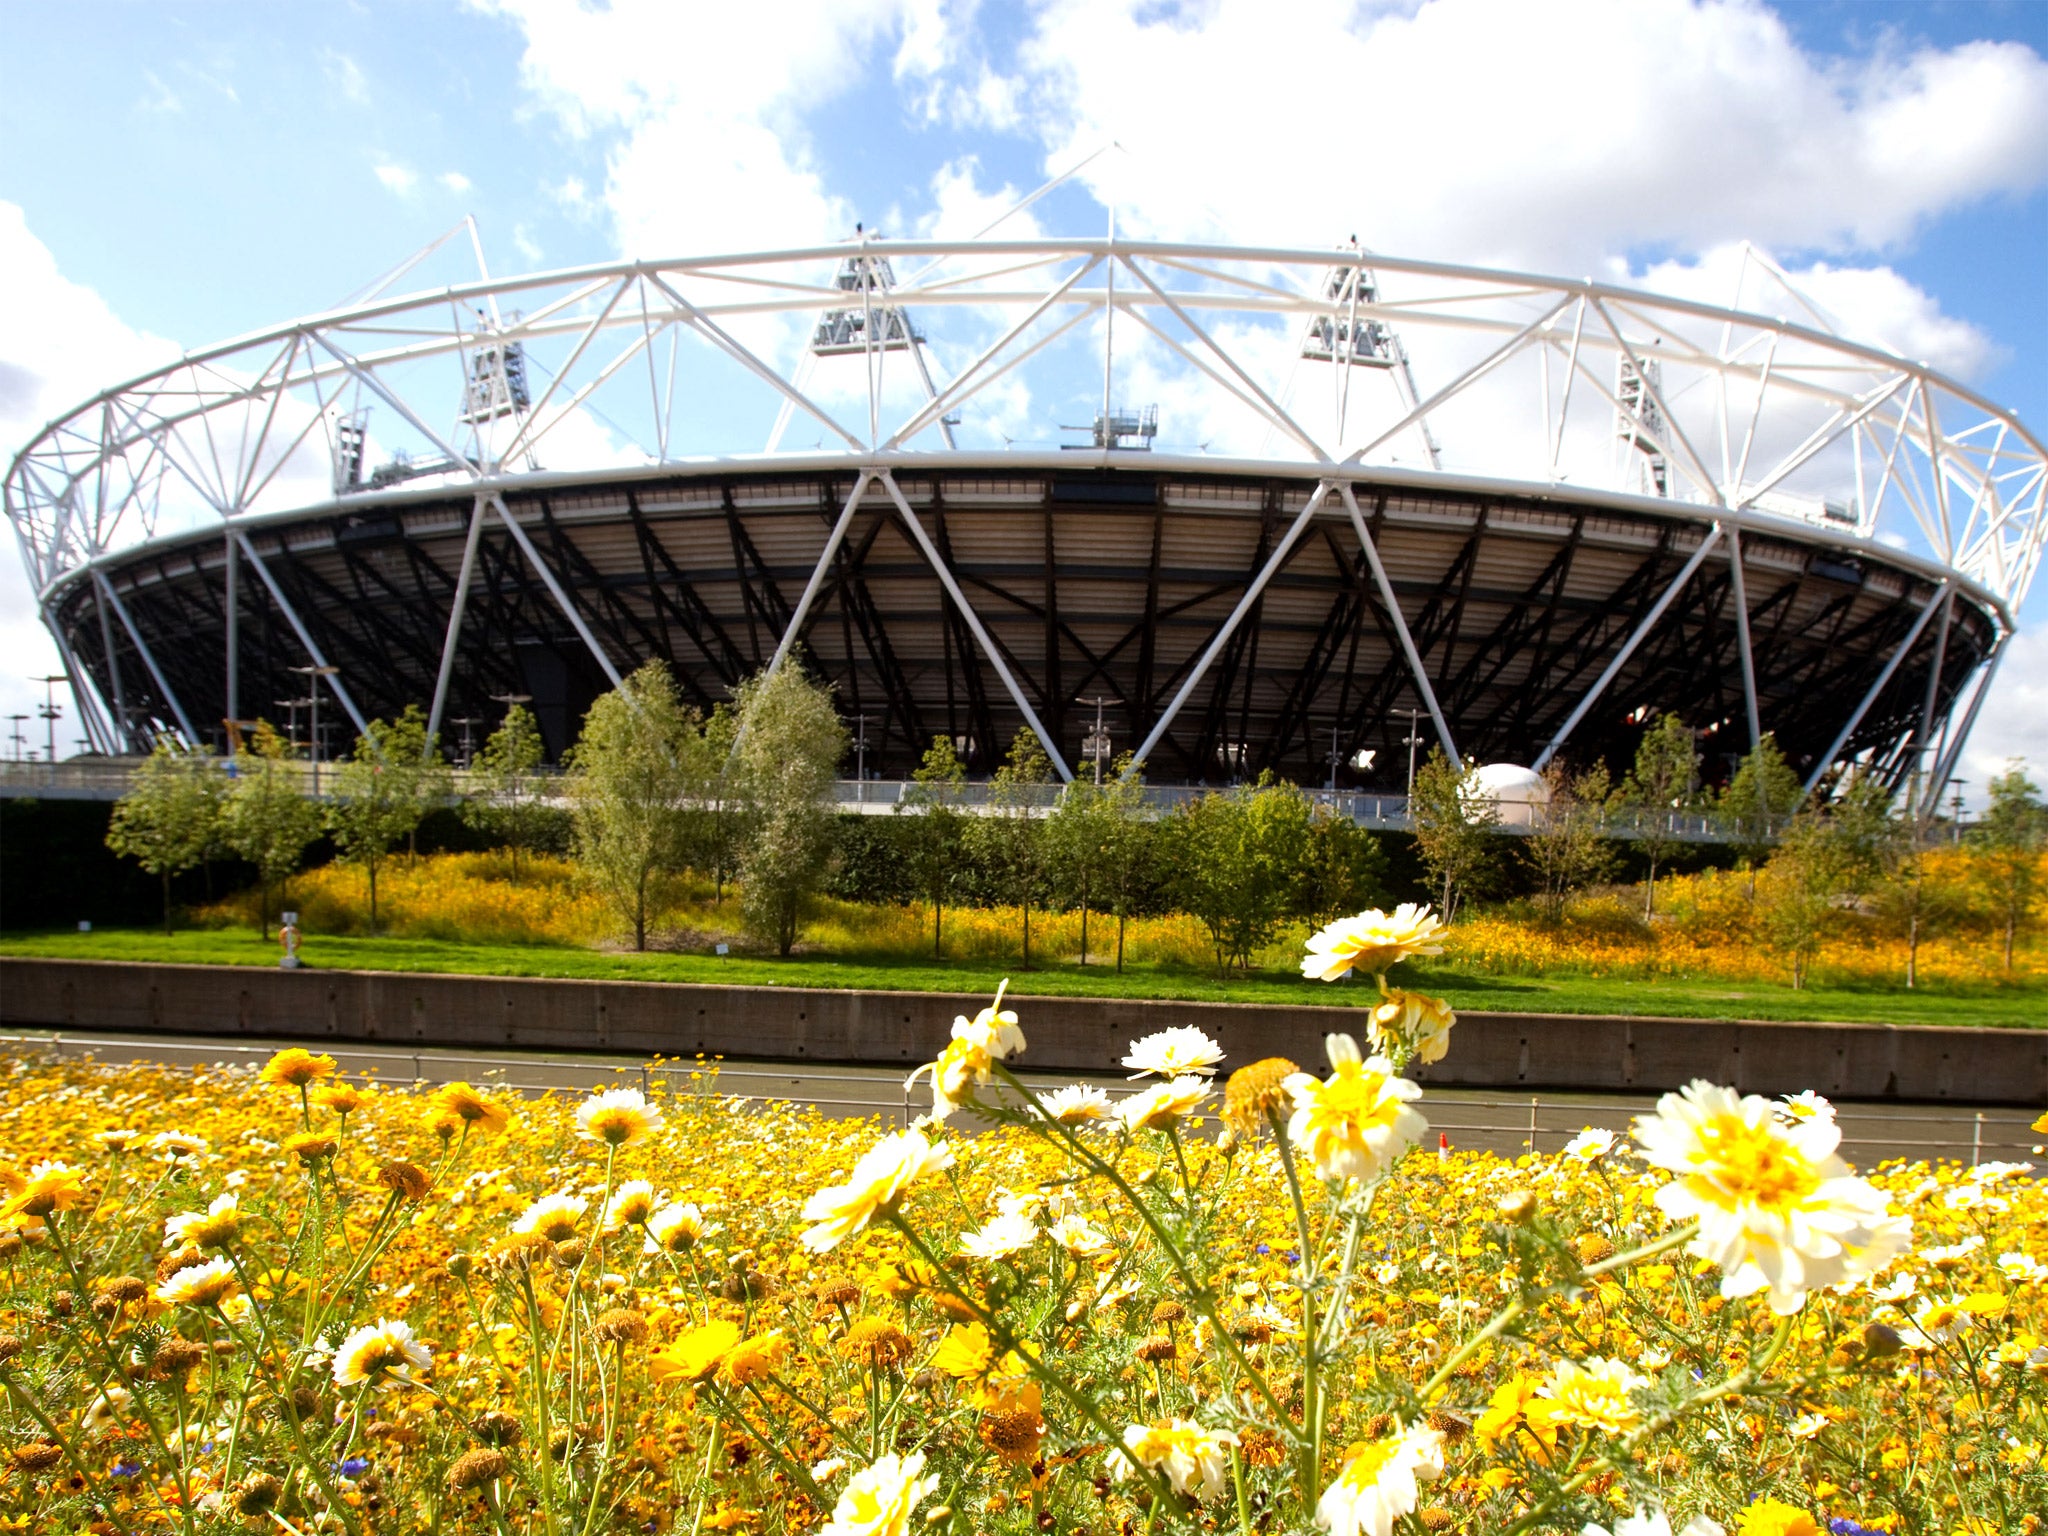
(1470, 1118)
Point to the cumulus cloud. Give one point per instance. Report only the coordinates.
(2014, 720)
(455, 182)
(397, 179)
(346, 75)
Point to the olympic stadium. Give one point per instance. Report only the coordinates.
(1230, 509)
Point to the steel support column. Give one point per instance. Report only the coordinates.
(1961, 736)
(457, 602)
(973, 622)
(1628, 648)
(1742, 641)
(1884, 677)
(148, 660)
(231, 614)
(810, 593)
(1222, 636)
(1925, 730)
(1386, 590)
(291, 615)
(555, 590)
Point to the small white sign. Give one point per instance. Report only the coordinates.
(724, 949)
(85, 927)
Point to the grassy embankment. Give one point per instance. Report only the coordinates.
(1466, 990)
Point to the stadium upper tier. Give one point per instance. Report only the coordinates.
(1531, 511)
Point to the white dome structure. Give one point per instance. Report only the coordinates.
(1515, 792)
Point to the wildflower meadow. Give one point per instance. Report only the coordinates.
(1248, 1296)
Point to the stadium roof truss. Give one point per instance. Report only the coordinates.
(1340, 369)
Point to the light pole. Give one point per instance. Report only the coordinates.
(1955, 820)
(291, 708)
(51, 709)
(860, 752)
(20, 741)
(1336, 757)
(1411, 741)
(1096, 743)
(468, 742)
(313, 676)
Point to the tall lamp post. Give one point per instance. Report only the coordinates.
(1096, 743)
(51, 708)
(313, 676)
(20, 741)
(1955, 820)
(1411, 741)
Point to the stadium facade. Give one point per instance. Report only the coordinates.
(1511, 515)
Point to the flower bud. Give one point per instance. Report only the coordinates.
(1518, 1206)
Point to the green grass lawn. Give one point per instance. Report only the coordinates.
(2004, 1007)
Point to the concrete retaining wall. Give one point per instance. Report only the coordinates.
(1489, 1050)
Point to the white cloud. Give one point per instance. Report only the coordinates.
(2014, 720)
(161, 98)
(524, 243)
(62, 343)
(398, 179)
(1499, 130)
(346, 75)
(455, 182)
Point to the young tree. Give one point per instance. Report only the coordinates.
(1130, 856)
(1797, 891)
(420, 776)
(1343, 868)
(505, 801)
(1915, 900)
(1078, 836)
(1239, 861)
(269, 822)
(938, 836)
(170, 819)
(1454, 822)
(2008, 842)
(1568, 848)
(1661, 781)
(1011, 837)
(630, 781)
(790, 745)
(380, 791)
(1756, 804)
(717, 828)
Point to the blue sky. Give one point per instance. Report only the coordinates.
(177, 173)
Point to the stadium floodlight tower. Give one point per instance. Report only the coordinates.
(1514, 515)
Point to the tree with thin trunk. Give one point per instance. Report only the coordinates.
(505, 801)
(1660, 783)
(1239, 860)
(269, 822)
(1130, 859)
(1079, 833)
(1344, 869)
(630, 782)
(937, 834)
(380, 791)
(1757, 803)
(791, 741)
(1567, 848)
(1011, 837)
(1455, 823)
(1915, 897)
(2008, 842)
(170, 818)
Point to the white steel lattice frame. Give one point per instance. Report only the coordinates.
(1944, 477)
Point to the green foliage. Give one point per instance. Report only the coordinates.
(2009, 840)
(1454, 823)
(790, 743)
(171, 818)
(1343, 869)
(1830, 853)
(1238, 859)
(269, 821)
(382, 789)
(1757, 801)
(1662, 779)
(1011, 837)
(505, 800)
(1568, 848)
(631, 777)
(937, 830)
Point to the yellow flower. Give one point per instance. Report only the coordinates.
(1774, 1517)
(1519, 1408)
(215, 1227)
(341, 1098)
(1380, 1483)
(1594, 1394)
(990, 1036)
(463, 1105)
(120, 1139)
(1356, 1123)
(199, 1285)
(48, 1187)
(553, 1217)
(967, 1353)
(879, 1500)
(1373, 941)
(754, 1359)
(616, 1117)
(674, 1228)
(309, 1146)
(1778, 1211)
(695, 1354)
(1162, 1104)
(1195, 1460)
(1413, 1021)
(295, 1068)
(630, 1206)
(383, 1354)
(878, 1180)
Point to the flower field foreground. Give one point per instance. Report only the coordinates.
(277, 1301)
